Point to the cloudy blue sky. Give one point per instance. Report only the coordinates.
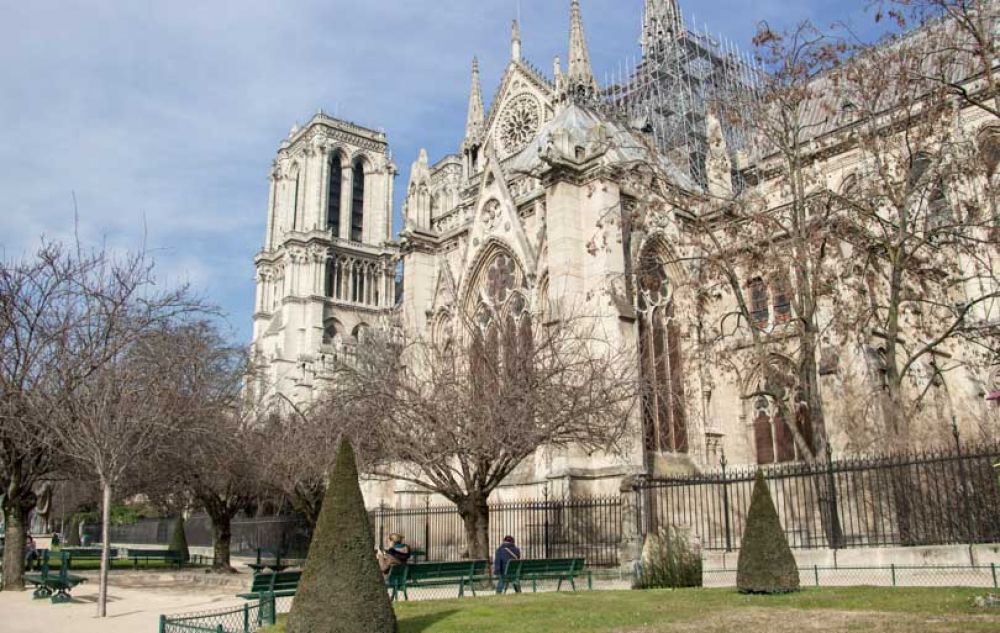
(162, 117)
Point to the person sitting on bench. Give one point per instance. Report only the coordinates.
(31, 555)
(506, 552)
(396, 553)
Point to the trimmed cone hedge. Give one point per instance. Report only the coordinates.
(178, 540)
(342, 589)
(766, 563)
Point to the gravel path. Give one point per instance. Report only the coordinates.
(130, 609)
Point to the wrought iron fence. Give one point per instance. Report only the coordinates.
(285, 535)
(933, 498)
(588, 527)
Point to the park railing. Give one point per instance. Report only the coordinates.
(544, 528)
(931, 498)
(247, 618)
(982, 576)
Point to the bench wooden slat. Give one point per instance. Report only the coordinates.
(561, 569)
(281, 584)
(462, 573)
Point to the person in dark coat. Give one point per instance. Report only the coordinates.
(507, 552)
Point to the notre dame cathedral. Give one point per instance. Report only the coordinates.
(508, 224)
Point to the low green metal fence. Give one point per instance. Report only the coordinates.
(984, 576)
(249, 618)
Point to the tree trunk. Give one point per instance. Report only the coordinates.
(475, 512)
(222, 537)
(16, 516)
(102, 591)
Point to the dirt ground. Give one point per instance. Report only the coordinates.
(131, 609)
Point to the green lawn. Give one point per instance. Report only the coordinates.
(860, 609)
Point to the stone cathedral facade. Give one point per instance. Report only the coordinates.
(507, 226)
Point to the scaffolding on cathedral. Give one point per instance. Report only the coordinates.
(674, 87)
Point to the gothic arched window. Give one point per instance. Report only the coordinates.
(938, 211)
(760, 312)
(330, 283)
(358, 202)
(660, 354)
(333, 198)
(782, 300)
(774, 439)
(331, 330)
(502, 339)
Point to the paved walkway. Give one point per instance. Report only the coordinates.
(130, 609)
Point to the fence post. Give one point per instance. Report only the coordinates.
(816, 574)
(381, 523)
(427, 527)
(546, 508)
(993, 568)
(834, 528)
(725, 503)
(246, 617)
(630, 546)
(219, 629)
(893, 568)
(163, 618)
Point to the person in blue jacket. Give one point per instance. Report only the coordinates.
(507, 551)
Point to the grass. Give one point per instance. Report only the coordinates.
(862, 609)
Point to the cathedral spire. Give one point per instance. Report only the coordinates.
(579, 77)
(515, 41)
(661, 23)
(477, 112)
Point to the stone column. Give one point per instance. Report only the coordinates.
(630, 548)
(271, 210)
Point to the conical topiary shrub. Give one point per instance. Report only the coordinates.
(766, 563)
(342, 589)
(178, 540)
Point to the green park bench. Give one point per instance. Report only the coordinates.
(54, 586)
(259, 566)
(280, 584)
(561, 569)
(462, 573)
(164, 555)
(90, 553)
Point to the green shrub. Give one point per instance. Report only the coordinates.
(669, 559)
(766, 563)
(342, 589)
(178, 540)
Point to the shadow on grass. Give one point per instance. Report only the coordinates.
(424, 622)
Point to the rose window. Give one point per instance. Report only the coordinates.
(519, 123)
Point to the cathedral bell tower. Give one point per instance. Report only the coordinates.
(327, 269)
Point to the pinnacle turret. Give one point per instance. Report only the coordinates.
(579, 79)
(661, 24)
(515, 42)
(477, 112)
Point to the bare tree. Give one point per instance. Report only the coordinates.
(112, 418)
(212, 461)
(963, 55)
(457, 414)
(291, 436)
(64, 315)
(922, 229)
